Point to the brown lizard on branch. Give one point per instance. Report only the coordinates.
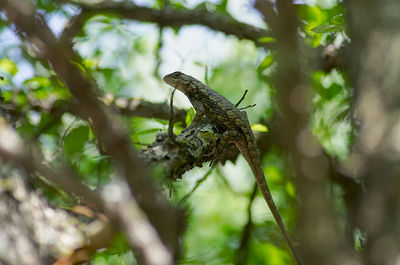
(219, 110)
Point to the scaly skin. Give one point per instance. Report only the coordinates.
(218, 109)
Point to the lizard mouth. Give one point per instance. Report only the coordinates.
(173, 78)
(167, 79)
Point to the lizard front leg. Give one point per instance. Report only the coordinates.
(200, 113)
(195, 121)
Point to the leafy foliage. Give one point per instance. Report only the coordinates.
(331, 122)
(336, 24)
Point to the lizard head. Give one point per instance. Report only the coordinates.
(179, 81)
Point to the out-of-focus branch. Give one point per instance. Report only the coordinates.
(74, 25)
(352, 194)
(267, 10)
(120, 206)
(141, 235)
(146, 109)
(321, 238)
(12, 150)
(31, 229)
(168, 16)
(108, 129)
(373, 62)
(129, 107)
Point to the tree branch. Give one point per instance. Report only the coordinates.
(373, 63)
(168, 16)
(73, 27)
(129, 107)
(31, 229)
(122, 208)
(108, 129)
(191, 148)
(267, 10)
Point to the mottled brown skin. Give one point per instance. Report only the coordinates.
(218, 109)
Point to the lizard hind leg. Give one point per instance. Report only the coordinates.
(229, 136)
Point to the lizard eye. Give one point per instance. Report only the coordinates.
(177, 74)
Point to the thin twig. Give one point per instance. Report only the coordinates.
(241, 99)
(198, 183)
(171, 117)
(224, 180)
(63, 136)
(241, 252)
(159, 46)
(139, 143)
(249, 106)
(206, 76)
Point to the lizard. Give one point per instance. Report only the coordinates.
(209, 103)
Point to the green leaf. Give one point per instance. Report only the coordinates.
(267, 39)
(117, 253)
(178, 5)
(221, 7)
(119, 244)
(148, 131)
(47, 5)
(291, 190)
(7, 96)
(48, 124)
(189, 116)
(90, 63)
(7, 66)
(336, 24)
(159, 4)
(267, 62)
(26, 129)
(41, 93)
(76, 139)
(37, 81)
(273, 173)
(311, 14)
(21, 98)
(259, 127)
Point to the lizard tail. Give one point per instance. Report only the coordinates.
(254, 162)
